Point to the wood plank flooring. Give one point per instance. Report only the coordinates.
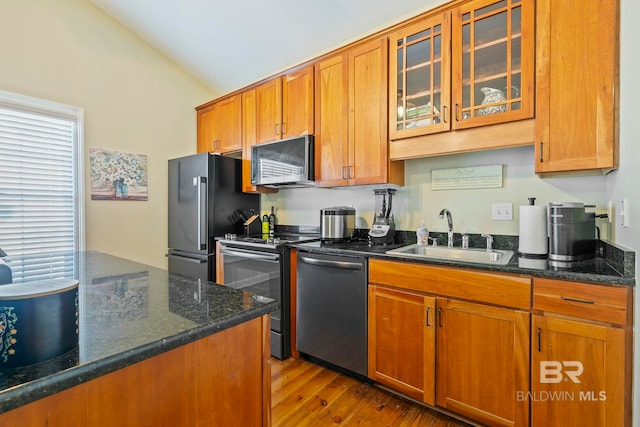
(305, 394)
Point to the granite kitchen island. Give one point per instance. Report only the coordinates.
(154, 348)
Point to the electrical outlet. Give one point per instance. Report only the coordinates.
(624, 213)
(502, 211)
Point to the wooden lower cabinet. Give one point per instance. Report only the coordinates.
(468, 357)
(581, 354)
(482, 363)
(402, 341)
(222, 379)
(577, 374)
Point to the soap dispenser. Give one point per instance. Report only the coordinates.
(422, 234)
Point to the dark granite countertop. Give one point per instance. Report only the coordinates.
(613, 265)
(129, 312)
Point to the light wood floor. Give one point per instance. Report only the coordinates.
(305, 394)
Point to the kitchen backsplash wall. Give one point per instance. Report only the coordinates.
(471, 209)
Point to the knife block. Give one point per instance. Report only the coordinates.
(253, 226)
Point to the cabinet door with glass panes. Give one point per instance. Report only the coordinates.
(419, 81)
(492, 62)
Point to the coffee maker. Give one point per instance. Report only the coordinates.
(383, 229)
(572, 233)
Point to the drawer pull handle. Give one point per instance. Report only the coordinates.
(428, 310)
(581, 301)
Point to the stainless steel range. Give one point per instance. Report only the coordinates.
(262, 266)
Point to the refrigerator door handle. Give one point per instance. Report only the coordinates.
(188, 259)
(201, 183)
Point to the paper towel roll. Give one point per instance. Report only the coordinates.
(533, 230)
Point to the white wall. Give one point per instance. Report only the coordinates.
(471, 209)
(624, 182)
(134, 100)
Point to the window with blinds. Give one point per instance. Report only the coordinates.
(39, 208)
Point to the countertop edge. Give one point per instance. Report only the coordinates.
(509, 269)
(26, 393)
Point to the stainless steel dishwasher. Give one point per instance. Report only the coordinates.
(332, 310)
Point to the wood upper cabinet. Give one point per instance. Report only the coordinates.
(351, 144)
(284, 106)
(420, 78)
(220, 126)
(483, 362)
(492, 62)
(402, 341)
(463, 69)
(581, 354)
(477, 58)
(577, 82)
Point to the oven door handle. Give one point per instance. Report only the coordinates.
(334, 264)
(250, 254)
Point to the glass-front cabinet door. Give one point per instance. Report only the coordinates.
(492, 62)
(419, 81)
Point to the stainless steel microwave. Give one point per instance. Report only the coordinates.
(284, 163)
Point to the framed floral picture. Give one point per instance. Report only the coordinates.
(118, 176)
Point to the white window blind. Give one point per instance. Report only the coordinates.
(38, 192)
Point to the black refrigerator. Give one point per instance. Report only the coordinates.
(205, 201)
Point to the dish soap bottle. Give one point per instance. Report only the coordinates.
(422, 234)
(265, 226)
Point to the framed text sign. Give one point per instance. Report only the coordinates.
(467, 177)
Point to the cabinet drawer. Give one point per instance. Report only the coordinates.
(497, 289)
(595, 302)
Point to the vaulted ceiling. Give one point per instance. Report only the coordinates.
(230, 44)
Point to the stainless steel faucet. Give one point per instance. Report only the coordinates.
(489, 238)
(446, 212)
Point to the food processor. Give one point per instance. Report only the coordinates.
(383, 229)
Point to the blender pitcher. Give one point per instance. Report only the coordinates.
(383, 228)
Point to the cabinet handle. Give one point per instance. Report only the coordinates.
(457, 112)
(344, 170)
(440, 317)
(350, 170)
(541, 153)
(277, 124)
(428, 310)
(444, 113)
(539, 346)
(581, 301)
(283, 126)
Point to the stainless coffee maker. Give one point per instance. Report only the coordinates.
(383, 229)
(572, 233)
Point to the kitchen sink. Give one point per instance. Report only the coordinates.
(482, 256)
